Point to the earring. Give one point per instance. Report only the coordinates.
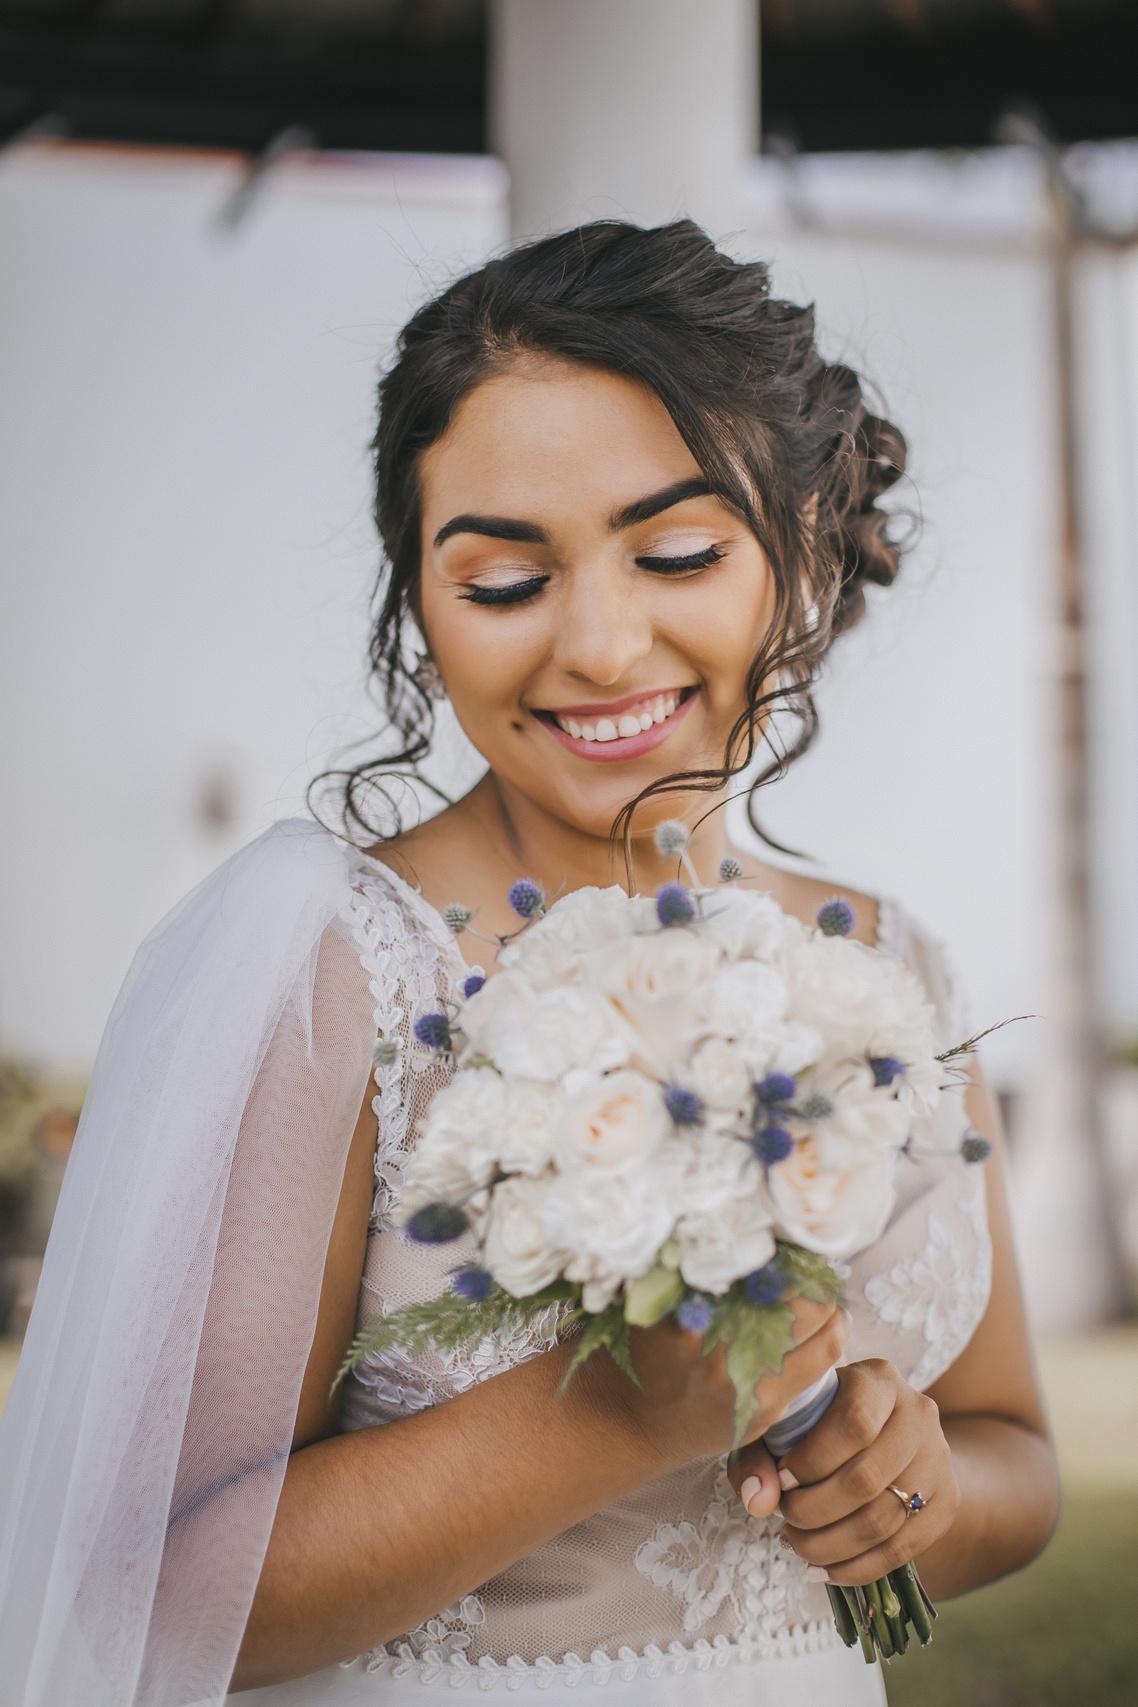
(426, 675)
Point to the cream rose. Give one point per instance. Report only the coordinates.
(615, 1120)
(833, 1196)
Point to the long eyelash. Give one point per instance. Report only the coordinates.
(520, 590)
(505, 595)
(671, 565)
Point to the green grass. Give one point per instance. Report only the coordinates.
(1065, 1630)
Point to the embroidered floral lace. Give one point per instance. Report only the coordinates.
(675, 1575)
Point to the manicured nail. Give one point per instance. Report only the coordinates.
(815, 1574)
(750, 1488)
(787, 1480)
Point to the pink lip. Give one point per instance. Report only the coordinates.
(625, 746)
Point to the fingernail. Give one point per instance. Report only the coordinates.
(815, 1574)
(787, 1480)
(750, 1488)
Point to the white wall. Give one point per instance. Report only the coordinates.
(187, 553)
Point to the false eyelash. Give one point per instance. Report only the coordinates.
(520, 590)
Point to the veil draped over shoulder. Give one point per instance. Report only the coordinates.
(145, 1441)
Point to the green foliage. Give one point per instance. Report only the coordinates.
(609, 1331)
(450, 1322)
(808, 1275)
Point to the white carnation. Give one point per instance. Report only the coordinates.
(541, 1034)
(612, 1221)
(459, 1135)
(550, 950)
(518, 1250)
(719, 1247)
(748, 923)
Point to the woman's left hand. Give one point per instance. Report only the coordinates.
(833, 1488)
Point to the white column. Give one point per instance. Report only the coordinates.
(624, 109)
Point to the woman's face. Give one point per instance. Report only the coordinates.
(558, 577)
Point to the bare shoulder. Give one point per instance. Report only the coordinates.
(802, 895)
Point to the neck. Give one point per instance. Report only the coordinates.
(532, 843)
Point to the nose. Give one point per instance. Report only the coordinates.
(603, 629)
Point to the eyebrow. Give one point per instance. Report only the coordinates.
(640, 510)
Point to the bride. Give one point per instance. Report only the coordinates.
(628, 508)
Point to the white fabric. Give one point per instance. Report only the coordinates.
(146, 1435)
(162, 1365)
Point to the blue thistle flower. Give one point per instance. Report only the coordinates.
(433, 1031)
(729, 870)
(674, 905)
(815, 1106)
(671, 837)
(835, 918)
(472, 1282)
(472, 984)
(684, 1106)
(772, 1144)
(775, 1087)
(974, 1147)
(526, 897)
(694, 1313)
(765, 1285)
(457, 916)
(436, 1224)
(886, 1068)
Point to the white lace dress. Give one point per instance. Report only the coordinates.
(674, 1594)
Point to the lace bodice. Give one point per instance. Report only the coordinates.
(677, 1573)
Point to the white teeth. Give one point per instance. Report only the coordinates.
(627, 724)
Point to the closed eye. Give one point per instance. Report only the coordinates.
(519, 590)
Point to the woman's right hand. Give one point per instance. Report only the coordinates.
(687, 1408)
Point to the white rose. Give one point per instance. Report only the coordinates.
(518, 1250)
(719, 1075)
(459, 1135)
(657, 982)
(833, 1197)
(615, 1120)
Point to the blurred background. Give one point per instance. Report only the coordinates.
(215, 215)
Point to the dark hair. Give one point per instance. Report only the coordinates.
(786, 437)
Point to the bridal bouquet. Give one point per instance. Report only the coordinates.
(690, 1105)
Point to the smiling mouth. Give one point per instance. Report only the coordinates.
(621, 725)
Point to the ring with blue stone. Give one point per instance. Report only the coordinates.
(913, 1503)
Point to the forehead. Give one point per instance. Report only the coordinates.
(545, 432)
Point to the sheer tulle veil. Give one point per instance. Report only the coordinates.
(144, 1444)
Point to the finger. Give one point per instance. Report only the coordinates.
(868, 1527)
(915, 1536)
(859, 1481)
(866, 1398)
(752, 1473)
(810, 1318)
